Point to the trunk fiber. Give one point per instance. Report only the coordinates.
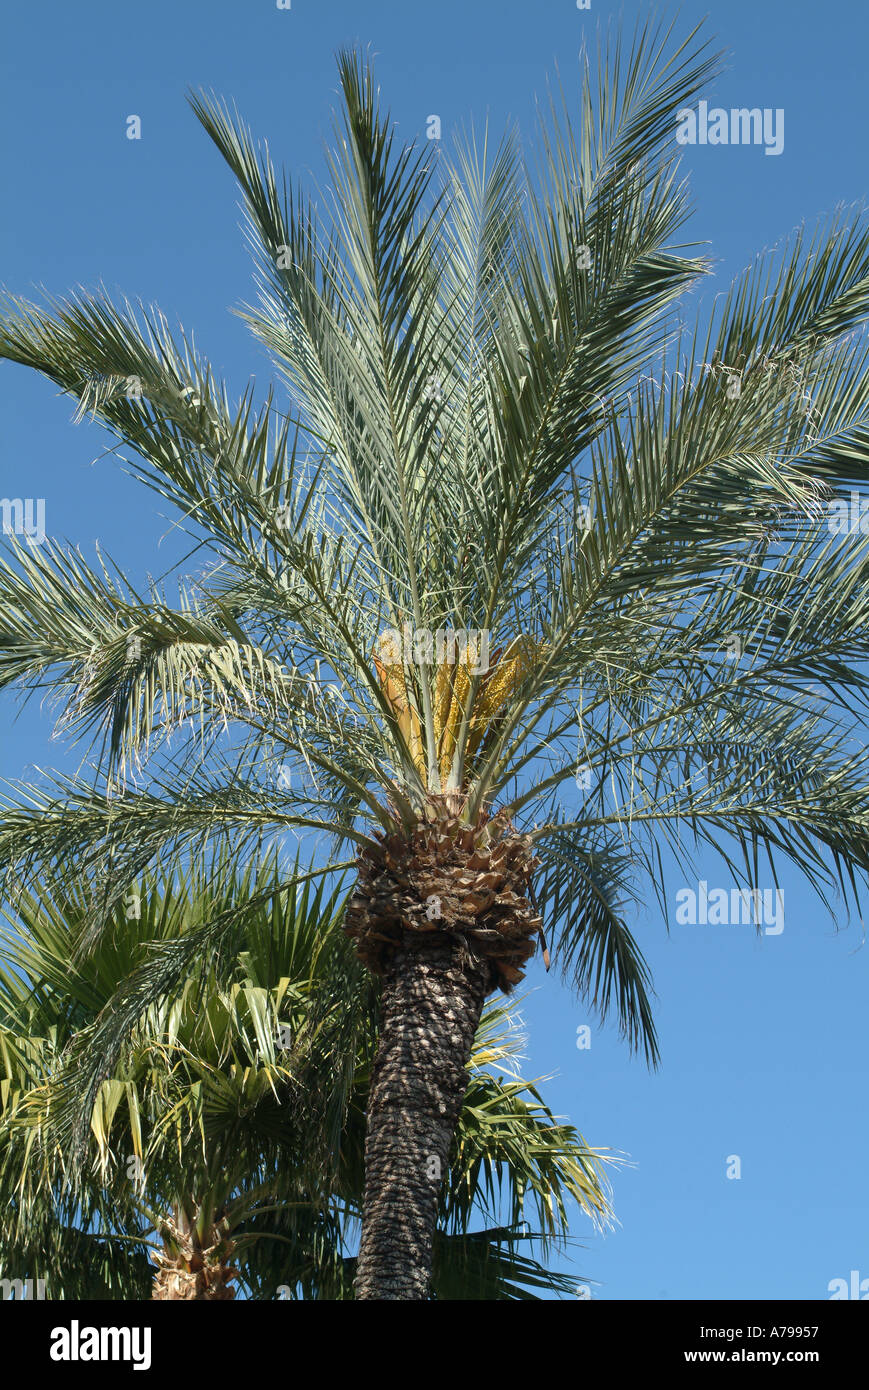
(433, 996)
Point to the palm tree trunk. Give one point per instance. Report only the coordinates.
(433, 996)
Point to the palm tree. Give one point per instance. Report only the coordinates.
(212, 1144)
(477, 594)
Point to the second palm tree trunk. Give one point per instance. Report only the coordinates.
(433, 997)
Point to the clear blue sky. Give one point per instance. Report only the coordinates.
(764, 1040)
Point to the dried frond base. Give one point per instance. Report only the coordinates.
(178, 1278)
(448, 880)
(188, 1269)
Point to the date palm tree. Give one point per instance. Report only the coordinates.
(227, 1144)
(530, 591)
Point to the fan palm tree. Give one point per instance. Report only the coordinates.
(476, 596)
(228, 1142)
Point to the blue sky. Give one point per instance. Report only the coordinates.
(763, 1038)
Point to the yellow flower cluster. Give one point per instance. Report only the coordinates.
(452, 684)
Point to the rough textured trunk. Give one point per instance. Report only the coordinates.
(433, 996)
(442, 912)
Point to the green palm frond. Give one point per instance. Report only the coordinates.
(241, 1090)
(504, 420)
